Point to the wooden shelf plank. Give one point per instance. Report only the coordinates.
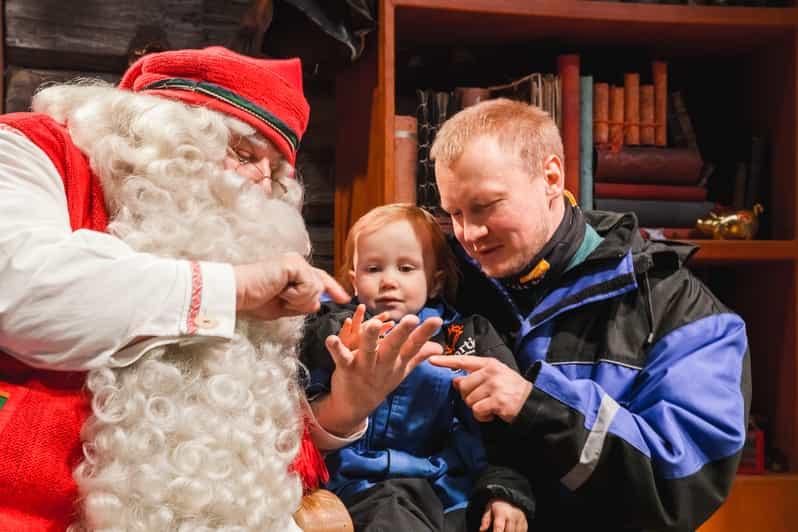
(786, 480)
(758, 502)
(776, 17)
(693, 29)
(721, 251)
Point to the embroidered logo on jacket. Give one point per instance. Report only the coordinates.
(453, 334)
(468, 347)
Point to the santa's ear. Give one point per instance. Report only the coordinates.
(352, 281)
(437, 284)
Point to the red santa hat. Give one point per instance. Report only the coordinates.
(264, 93)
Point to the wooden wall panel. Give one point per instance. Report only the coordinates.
(22, 83)
(95, 34)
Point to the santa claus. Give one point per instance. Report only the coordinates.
(152, 282)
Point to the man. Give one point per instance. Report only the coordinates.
(631, 407)
(151, 235)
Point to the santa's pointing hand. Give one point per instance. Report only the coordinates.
(283, 286)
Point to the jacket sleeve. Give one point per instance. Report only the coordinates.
(491, 344)
(668, 453)
(313, 354)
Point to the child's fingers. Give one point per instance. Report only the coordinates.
(357, 317)
(346, 328)
(487, 517)
(387, 326)
(382, 316)
(340, 354)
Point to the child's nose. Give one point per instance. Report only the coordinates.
(388, 279)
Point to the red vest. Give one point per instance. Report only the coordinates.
(41, 412)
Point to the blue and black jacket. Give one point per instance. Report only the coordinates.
(422, 429)
(641, 389)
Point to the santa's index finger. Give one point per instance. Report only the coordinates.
(464, 362)
(332, 287)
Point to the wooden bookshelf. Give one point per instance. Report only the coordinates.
(758, 502)
(730, 251)
(757, 50)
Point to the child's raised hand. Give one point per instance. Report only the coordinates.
(352, 327)
(504, 516)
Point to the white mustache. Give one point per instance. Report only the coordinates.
(232, 188)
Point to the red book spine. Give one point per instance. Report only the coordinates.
(568, 70)
(653, 192)
(673, 233)
(405, 154)
(660, 166)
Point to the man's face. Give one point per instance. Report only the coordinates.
(502, 212)
(256, 160)
(392, 271)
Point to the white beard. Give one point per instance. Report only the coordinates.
(198, 436)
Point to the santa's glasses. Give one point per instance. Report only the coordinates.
(245, 159)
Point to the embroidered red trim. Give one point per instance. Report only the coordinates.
(196, 297)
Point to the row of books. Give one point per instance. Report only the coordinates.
(636, 168)
(631, 148)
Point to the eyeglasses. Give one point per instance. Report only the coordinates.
(245, 158)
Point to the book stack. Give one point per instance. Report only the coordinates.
(557, 94)
(635, 170)
(629, 147)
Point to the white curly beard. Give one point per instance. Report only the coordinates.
(197, 435)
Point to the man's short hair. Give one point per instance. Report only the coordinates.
(522, 129)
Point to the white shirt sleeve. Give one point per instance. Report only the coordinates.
(84, 299)
(324, 440)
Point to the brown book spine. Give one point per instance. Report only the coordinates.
(616, 116)
(405, 156)
(660, 70)
(686, 125)
(647, 115)
(568, 70)
(468, 96)
(663, 166)
(601, 113)
(631, 111)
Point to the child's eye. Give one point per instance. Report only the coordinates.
(406, 268)
(372, 269)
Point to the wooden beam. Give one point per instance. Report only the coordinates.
(95, 34)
